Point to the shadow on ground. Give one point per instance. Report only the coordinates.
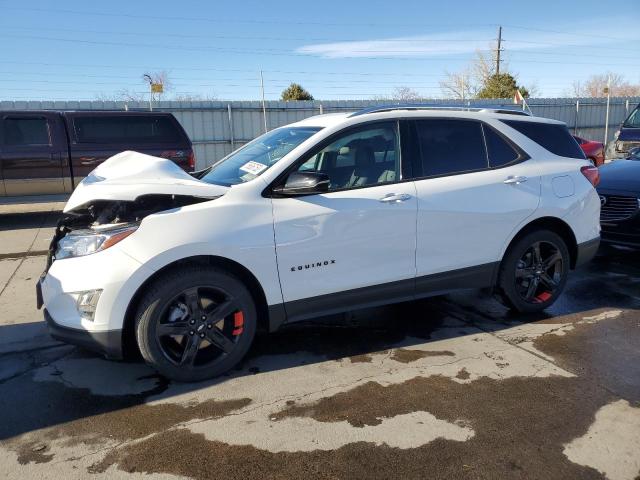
(35, 399)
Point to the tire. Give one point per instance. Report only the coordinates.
(521, 285)
(195, 323)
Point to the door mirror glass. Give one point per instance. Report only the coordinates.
(304, 183)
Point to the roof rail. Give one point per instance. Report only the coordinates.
(425, 106)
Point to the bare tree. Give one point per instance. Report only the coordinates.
(401, 94)
(469, 82)
(534, 89)
(595, 86)
(459, 85)
(194, 97)
(405, 94)
(484, 65)
(131, 95)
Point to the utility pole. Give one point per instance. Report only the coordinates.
(499, 49)
(264, 106)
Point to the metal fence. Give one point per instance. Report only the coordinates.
(217, 127)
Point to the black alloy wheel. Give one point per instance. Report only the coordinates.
(195, 323)
(199, 326)
(534, 271)
(539, 272)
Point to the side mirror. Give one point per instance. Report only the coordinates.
(303, 183)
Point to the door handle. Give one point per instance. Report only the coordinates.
(395, 198)
(515, 180)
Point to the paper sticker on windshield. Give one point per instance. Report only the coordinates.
(254, 168)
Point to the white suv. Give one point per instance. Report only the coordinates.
(329, 214)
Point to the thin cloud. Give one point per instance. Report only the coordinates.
(459, 43)
(416, 46)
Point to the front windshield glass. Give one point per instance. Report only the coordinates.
(634, 119)
(257, 156)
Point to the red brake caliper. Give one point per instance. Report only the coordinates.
(238, 323)
(543, 297)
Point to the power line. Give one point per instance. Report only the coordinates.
(298, 22)
(142, 67)
(411, 57)
(322, 39)
(242, 37)
(226, 70)
(571, 45)
(119, 84)
(590, 35)
(278, 21)
(241, 51)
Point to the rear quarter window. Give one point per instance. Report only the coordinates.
(132, 129)
(498, 149)
(553, 137)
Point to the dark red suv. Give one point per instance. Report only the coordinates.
(50, 152)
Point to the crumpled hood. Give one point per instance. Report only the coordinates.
(129, 175)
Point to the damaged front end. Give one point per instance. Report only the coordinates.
(98, 224)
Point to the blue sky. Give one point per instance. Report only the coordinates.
(336, 49)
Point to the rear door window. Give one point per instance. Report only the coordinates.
(135, 129)
(26, 131)
(448, 146)
(553, 137)
(499, 150)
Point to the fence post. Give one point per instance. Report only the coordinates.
(321, 110)
(575, 122)
(231, 135)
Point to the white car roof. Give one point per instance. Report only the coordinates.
(325, 120)
(335, 119)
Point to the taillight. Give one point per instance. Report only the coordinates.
(592, 174)
(192, 160)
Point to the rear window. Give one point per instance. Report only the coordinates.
(125, 129)
(26, 131)
(553, 137)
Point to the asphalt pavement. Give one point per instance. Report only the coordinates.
(449, 387)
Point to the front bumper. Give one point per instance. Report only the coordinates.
(622, 232)
(621, 238)
(108, 342)
(117, 275)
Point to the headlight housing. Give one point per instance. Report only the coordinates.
(79, 243)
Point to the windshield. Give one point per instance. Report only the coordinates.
(257, 156)
(634, 119)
